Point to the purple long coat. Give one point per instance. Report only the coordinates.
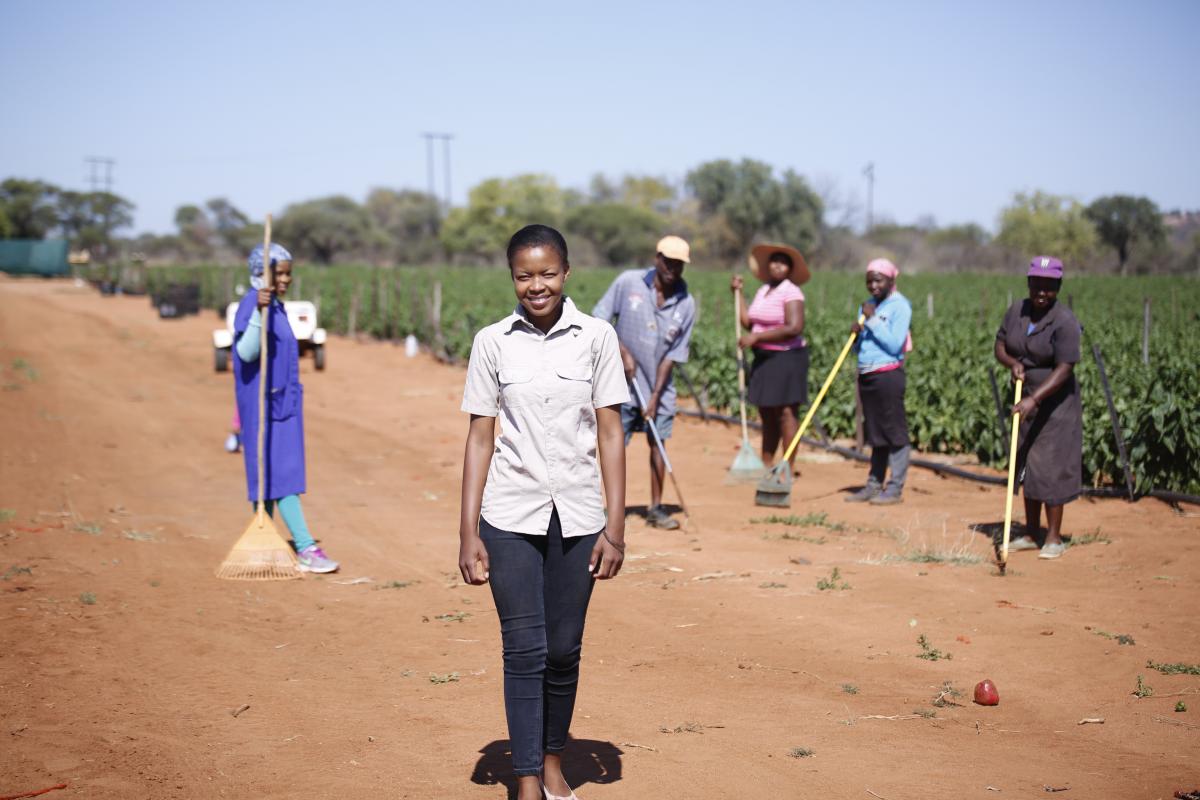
(285, 404)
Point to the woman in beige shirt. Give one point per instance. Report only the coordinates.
(534, 523)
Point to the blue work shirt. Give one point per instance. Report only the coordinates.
(881, 343)
(648, 332)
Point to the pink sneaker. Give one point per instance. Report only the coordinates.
(313, 559)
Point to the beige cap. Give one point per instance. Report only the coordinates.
(675, 248)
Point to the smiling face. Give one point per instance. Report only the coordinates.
(283, 277)
(879, 285)
(538, 275)
(667, 271)
(1043, 292)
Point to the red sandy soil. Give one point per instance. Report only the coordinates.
(706, 662)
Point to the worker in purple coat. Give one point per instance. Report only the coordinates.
(284, 445)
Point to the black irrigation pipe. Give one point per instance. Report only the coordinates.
(957, 472)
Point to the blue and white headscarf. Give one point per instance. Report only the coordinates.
(278, 253)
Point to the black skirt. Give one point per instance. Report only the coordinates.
(779, 378)
(882, 395)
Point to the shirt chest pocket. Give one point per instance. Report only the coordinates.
(517, 386)
(573, 383)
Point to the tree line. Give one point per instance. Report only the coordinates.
(722, 207)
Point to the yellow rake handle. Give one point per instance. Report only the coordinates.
(269, 282)
(812, 410)
(1012, 475)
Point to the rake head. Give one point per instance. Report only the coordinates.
(261, 554)
(775, 488)
(747, 466)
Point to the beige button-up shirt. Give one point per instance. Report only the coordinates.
(545, 388)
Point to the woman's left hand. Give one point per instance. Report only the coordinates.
(748, 340)
(1025, 407)
(606, 558)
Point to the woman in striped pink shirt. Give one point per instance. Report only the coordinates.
(775, 321)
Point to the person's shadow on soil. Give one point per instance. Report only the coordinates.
(584, 761)
(995, 532)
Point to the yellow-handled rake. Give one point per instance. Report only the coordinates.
(1012, 478)
(775, 489)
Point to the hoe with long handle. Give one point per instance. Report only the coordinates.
(1012, 477)
(775, 489)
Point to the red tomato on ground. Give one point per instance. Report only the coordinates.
(986, 694)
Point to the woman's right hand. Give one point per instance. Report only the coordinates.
(473, 560)
(736, 283)
(1018, 371)
(264, 297)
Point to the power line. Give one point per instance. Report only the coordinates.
(429, 164)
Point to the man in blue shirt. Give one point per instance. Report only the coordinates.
(653, 314)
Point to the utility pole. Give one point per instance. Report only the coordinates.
(869, 172)
(429, 168)
(94, 179)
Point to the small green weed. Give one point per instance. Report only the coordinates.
(946, 696)
(788, 536)
(395, 585)
(925, 713)
(929, 555)
(90, 528)
(449, 677)
(1143, 690)
(140, 536)
(1180, 706)
(929, 652)
(772, 585)
(1095, 537)
(1174, 669)
(7, 514)
(831, 583)
(849, 688)
(817, 519)
(14, 571)
(802, 752)
(1120, 638)
(21, 365)
(88, 598)
(454, 616)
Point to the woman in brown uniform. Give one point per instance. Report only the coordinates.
(1039, 342)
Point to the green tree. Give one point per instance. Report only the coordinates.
(1123, 221)
(195, 231)
(325, 228)
(1047, 224)
(409, 222)
(495, 210)
(232, 226)
(89, 219)
(622, 234)
(28, 207)
(750, 203)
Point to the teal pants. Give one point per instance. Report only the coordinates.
(293, 517)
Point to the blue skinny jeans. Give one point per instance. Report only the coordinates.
(541, 587)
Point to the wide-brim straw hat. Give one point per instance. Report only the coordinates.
(760, 256)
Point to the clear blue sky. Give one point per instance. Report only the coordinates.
(959, 104)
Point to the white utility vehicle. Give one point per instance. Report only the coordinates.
(301, 314)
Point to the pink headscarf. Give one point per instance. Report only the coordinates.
(886, 268)
(883, 267)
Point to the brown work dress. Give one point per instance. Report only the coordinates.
(1050, 449)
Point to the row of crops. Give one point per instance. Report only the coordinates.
(950, 401)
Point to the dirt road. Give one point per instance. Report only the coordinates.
(706, 664)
